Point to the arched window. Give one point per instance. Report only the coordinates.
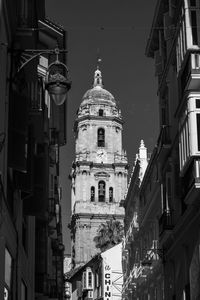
(92, 194)
(101, 112)
(101, 137)
(110, 194)
(102, 191)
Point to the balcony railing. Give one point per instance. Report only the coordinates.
(166, 221)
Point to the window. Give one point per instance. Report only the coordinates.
(194, 27)
(101, 112)
(87, 279)
(92, 196)
(110, 194)
(181, 46)
(197, 103)
(101, 137)
(194, 20)
(102, 191)
(184, 148)
(189, 133)
(198, 131)
(8, 275)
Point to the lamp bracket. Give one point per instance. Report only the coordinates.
(28, 55)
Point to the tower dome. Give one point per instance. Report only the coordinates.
(97, 94)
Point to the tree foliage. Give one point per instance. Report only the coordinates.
(109, 234)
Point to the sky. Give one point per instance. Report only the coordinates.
(118, 31)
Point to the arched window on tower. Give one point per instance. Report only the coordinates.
(100, 112)
(110, 194)
(102, 191)
(92, 194)
(101, 137)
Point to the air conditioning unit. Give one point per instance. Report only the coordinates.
(90, 294)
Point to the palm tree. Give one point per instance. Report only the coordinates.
(109, 234)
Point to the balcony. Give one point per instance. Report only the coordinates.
(166, 222)
(163, 142)
(190, 77)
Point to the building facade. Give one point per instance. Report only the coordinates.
(175, 49)
(99, 278)
(142, 261)
(99, 172)
(32, 128)
(173, 171)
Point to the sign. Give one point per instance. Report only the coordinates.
(107, 283)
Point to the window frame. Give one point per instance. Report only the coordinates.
(101, 112)
(101, 137)
(92, 194)
(101, 197)
(189, 133)
(110, 194)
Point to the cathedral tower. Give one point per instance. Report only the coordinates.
(99, 173)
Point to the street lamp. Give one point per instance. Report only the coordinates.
(56, 83)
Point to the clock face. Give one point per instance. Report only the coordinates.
(101, 153)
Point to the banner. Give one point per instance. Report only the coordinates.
(107, 282)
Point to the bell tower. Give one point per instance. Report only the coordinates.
(99, 172)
